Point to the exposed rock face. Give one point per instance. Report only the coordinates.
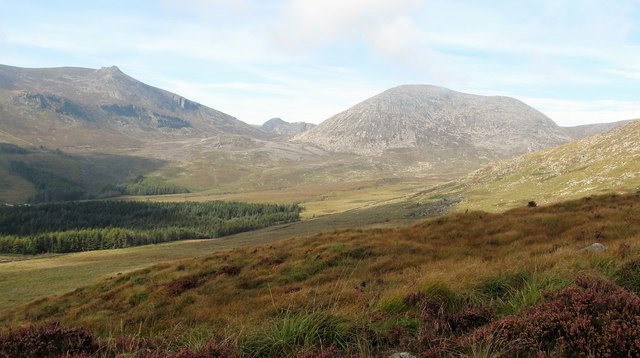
(285, 130)
(432, 118)
(78, 107)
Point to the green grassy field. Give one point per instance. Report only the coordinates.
(25, 278)
(321, 199)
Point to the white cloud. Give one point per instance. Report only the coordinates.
(380, 29)
(305, 23)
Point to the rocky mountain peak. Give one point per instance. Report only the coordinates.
(107, 105)
(283, 129)
(431, 118)
(110, 69)
(273, 123)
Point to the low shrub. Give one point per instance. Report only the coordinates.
(469, 318)
(594, 318)
(230, 270)
(177, 287)
(51, 340)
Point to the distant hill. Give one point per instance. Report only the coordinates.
(586, 130)
(77, 123)
(431, 118)
(601, 163)
(283, 129)
(104, 109)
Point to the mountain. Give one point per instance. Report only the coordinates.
(433, 119)
(80, 108)
(74, 124)
(285, 130)
(586, 130)
(601, 163)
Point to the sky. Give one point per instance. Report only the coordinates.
(577, 61)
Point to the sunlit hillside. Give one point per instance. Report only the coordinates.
(365, 291)
(596, 164)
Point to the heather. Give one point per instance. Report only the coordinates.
(464, 284)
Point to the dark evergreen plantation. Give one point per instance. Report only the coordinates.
(49, 186)
(84, 226)
(148, 186)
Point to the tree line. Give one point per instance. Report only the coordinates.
(146, 186)
(95, 225)
(49, 186)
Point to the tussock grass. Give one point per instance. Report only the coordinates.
(293, 332)
(354, 287)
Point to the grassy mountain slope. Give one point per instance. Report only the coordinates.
(27, 171)
(596, 164)
(369, 281)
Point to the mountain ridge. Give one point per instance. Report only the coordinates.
(433, 118)
(122, 109)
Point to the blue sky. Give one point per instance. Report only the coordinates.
(578, 61)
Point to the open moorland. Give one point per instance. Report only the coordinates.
(470, 283)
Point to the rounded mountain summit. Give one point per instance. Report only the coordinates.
(431, 119)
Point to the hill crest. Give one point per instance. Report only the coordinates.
(72, 107)
(432, 118)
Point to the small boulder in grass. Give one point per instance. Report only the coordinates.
(402, 355)
(596, 247)
(532, 204)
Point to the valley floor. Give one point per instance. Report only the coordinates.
(25, 278)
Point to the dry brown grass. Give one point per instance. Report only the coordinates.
(320, 199)
(361, 275)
